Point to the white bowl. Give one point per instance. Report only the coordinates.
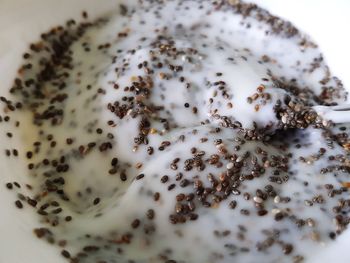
(22, 21)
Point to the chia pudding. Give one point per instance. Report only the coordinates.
(179, 132)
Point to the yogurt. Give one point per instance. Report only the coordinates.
(161, 133)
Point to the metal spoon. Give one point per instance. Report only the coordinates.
(335, 114)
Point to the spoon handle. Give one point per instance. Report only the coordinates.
(336, 114)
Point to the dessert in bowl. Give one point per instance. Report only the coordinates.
(178, 131)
